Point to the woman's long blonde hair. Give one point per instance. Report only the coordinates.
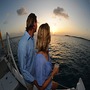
(43, 37)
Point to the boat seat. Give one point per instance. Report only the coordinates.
(8, 82)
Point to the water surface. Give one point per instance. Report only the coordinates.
(72, 53)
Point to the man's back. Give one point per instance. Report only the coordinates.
(26, 54)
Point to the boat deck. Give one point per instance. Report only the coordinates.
(7, 80)
(3, 68)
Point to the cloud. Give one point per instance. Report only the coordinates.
(22, 11)
(60, 12)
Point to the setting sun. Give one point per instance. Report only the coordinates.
(57, 25)
(53, 28)
(53, 25)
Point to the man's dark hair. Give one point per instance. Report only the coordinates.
(32, 18)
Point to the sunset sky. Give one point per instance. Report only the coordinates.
(70, 17)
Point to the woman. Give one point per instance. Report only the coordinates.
(43, 66)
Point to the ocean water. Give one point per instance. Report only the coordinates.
(73, 55)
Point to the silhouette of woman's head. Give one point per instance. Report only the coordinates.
(43, 37)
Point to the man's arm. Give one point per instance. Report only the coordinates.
(22, 64)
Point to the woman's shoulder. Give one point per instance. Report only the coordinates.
(40, 57)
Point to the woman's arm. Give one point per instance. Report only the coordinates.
(42, 81)
(45, 84)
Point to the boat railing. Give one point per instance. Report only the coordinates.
(12, 64)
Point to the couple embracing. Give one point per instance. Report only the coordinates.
(36, 67)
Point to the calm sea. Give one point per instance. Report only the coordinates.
(73, 55)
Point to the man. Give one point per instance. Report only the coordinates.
(26, 51)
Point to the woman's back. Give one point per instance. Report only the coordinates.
(43, 68)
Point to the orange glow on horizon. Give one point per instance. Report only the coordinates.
(59, 25)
